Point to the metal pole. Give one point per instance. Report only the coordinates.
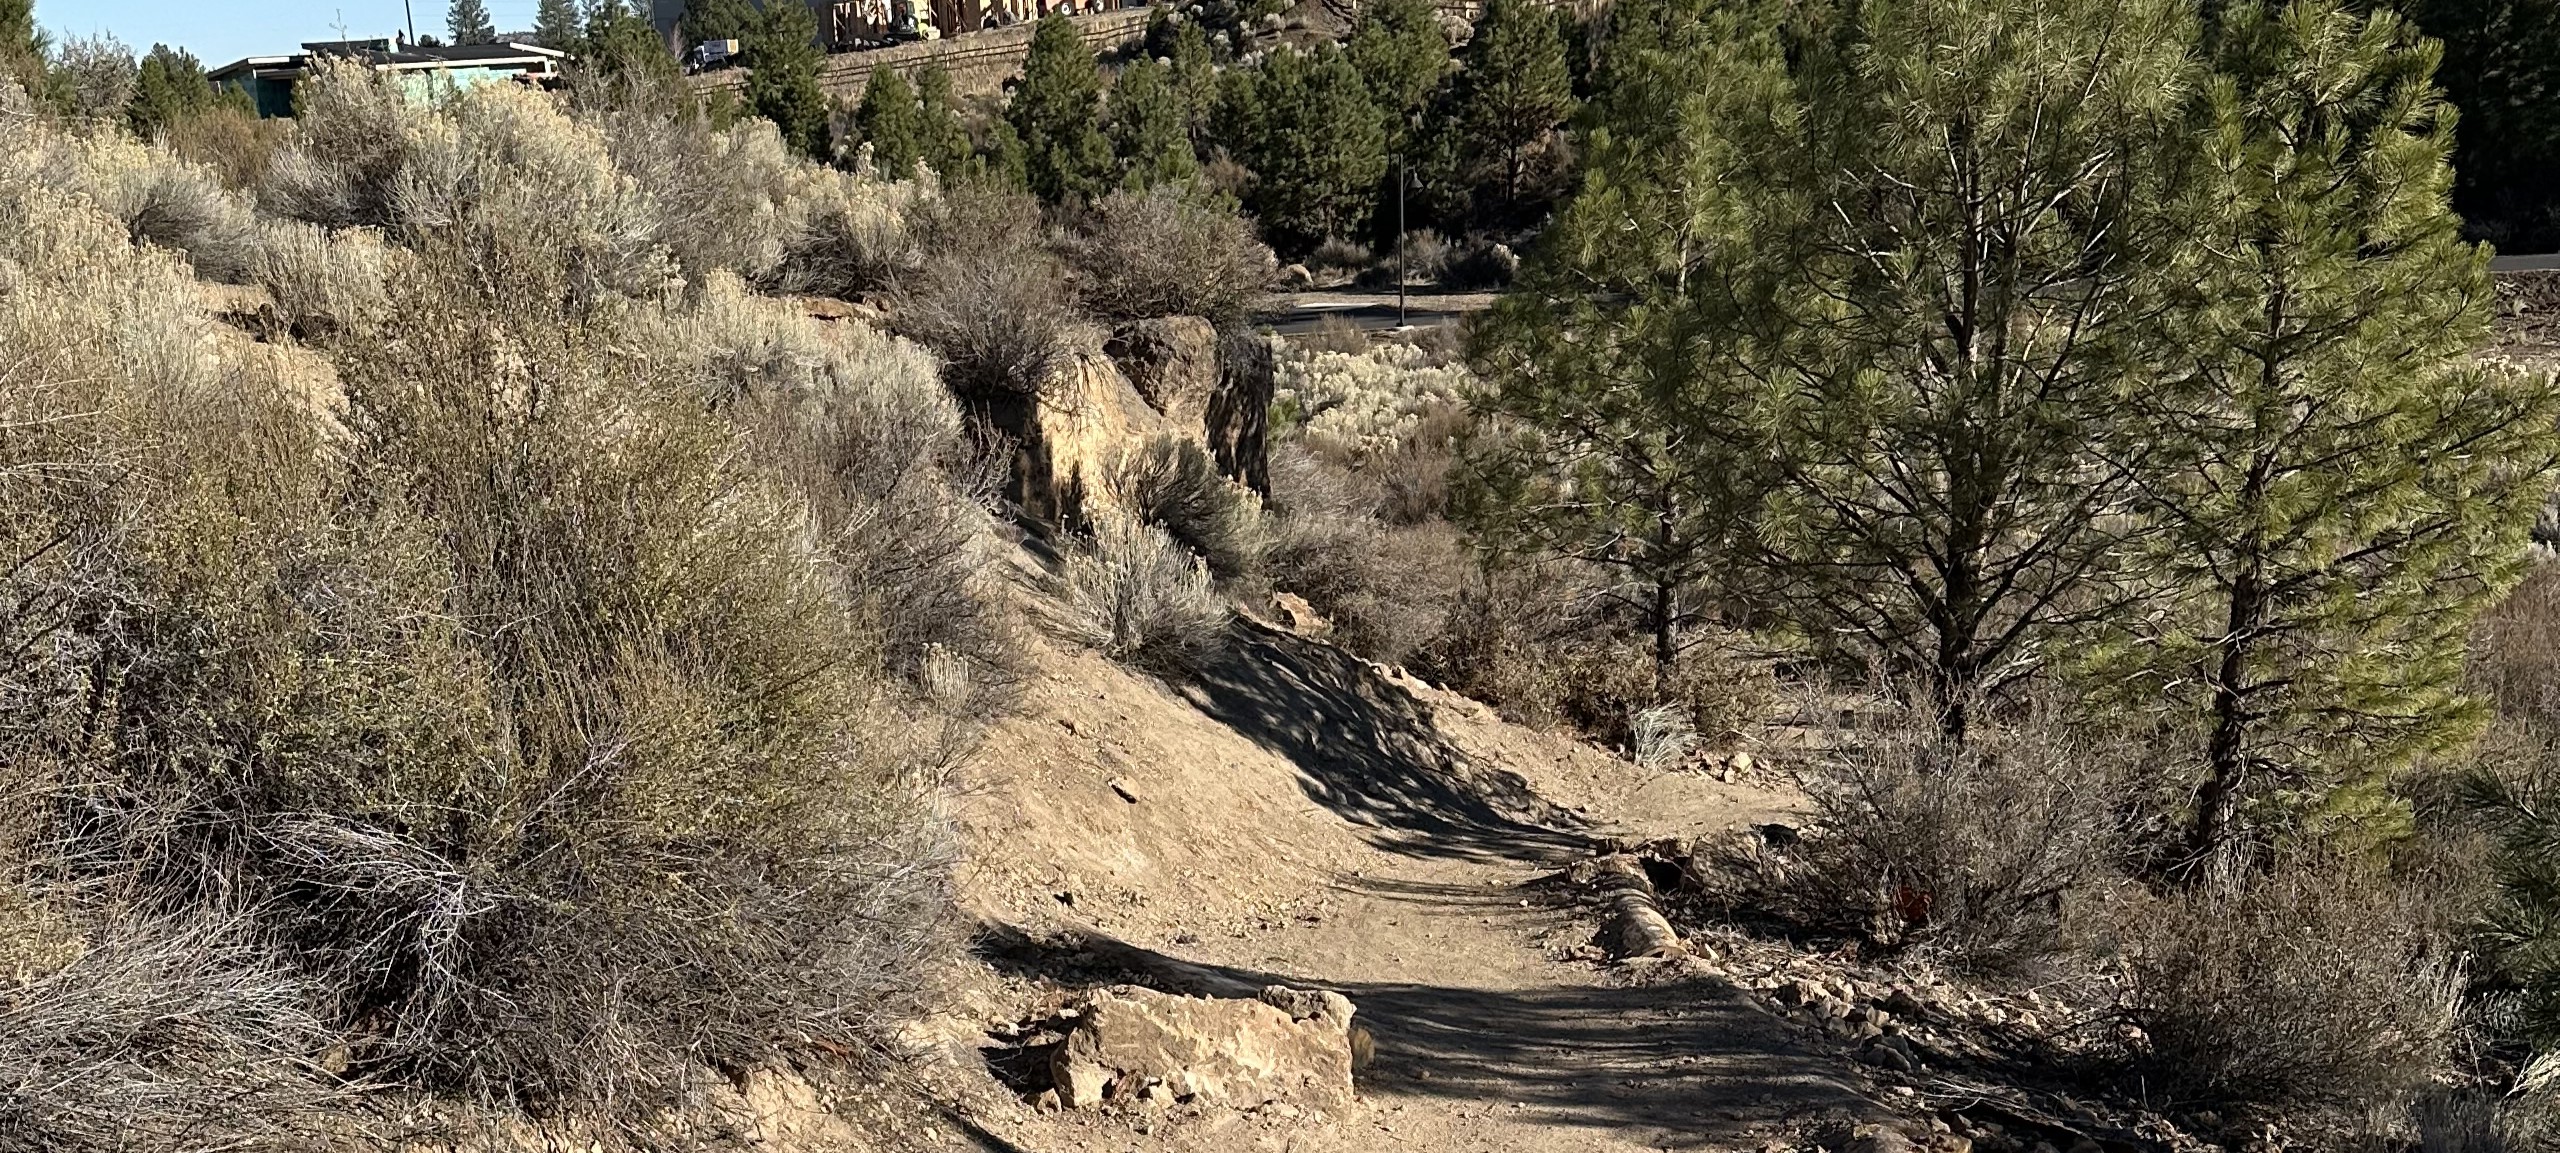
(1400, 277)
(412, 20)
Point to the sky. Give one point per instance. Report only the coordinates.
(221, 31)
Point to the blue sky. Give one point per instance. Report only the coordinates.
(220, 31)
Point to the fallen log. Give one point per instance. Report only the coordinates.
(1632, 924)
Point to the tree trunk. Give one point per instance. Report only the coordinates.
(2213, 842)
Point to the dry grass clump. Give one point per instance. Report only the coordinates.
(1979, 850)
(2313, 988)
(1171, 483)
(231, 142)
(159, 1037)
(1166, 252)
(171, 203)
(1355, 405)
(990, 298)
(1127, 589)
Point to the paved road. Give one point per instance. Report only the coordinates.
(2546, 263)
(1298, 313)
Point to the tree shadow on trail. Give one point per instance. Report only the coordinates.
(1366, 749)
(1688, 1063)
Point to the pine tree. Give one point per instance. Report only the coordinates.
(1056, 112)
(555, 26)
(1620, 366)
(1150, 127)
(1401, 54)
(2350, 488)
(1195, 77)
(1514, 89)
(1317, 147)
(942, 136)
(1977, 242)
(891, 124)
(469, 23)
(782, 84)
(718, 20)
(2502, 67)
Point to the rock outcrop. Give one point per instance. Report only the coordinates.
(1132, 1044)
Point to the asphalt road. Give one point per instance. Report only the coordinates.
(2549, 262)
(1298, 313)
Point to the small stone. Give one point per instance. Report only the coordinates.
(1886, 1057)
(1878, 1139)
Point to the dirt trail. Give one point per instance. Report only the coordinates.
(1299, 816)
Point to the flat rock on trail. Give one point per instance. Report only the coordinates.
(1299, 816)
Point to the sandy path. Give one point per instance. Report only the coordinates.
(1302, 818)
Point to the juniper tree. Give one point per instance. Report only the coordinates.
(1056, 113)
(2349, 488)
(891, 124)
(23, 45)
(1980, 264)
(621, 46)
(468, 22)
(782, 56)
(170, 86)
(1514, 89)
(1150, 127)
(1619, 370)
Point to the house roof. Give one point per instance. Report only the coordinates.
(384, 55)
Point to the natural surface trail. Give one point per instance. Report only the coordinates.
(1299, 816)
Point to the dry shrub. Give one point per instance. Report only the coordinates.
(172, 203)
(324, 283)
(1171, 483)
(990, 298)
(1128, 590)
(2315, 988)
(141, 477)
(1979, 850)
(233, 143)
(1387, 589)
(1168, 252)
(1553, 645)
(2515, 651)
(536, 722)
(860, 419)
(499, 163)
(676, 808)
(738, 200)
(1335, 333)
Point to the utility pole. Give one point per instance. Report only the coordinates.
(412, 19)
(1400, 276)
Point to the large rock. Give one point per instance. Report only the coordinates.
(1173, 362)
(1073, 433)
(1286, 1046)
